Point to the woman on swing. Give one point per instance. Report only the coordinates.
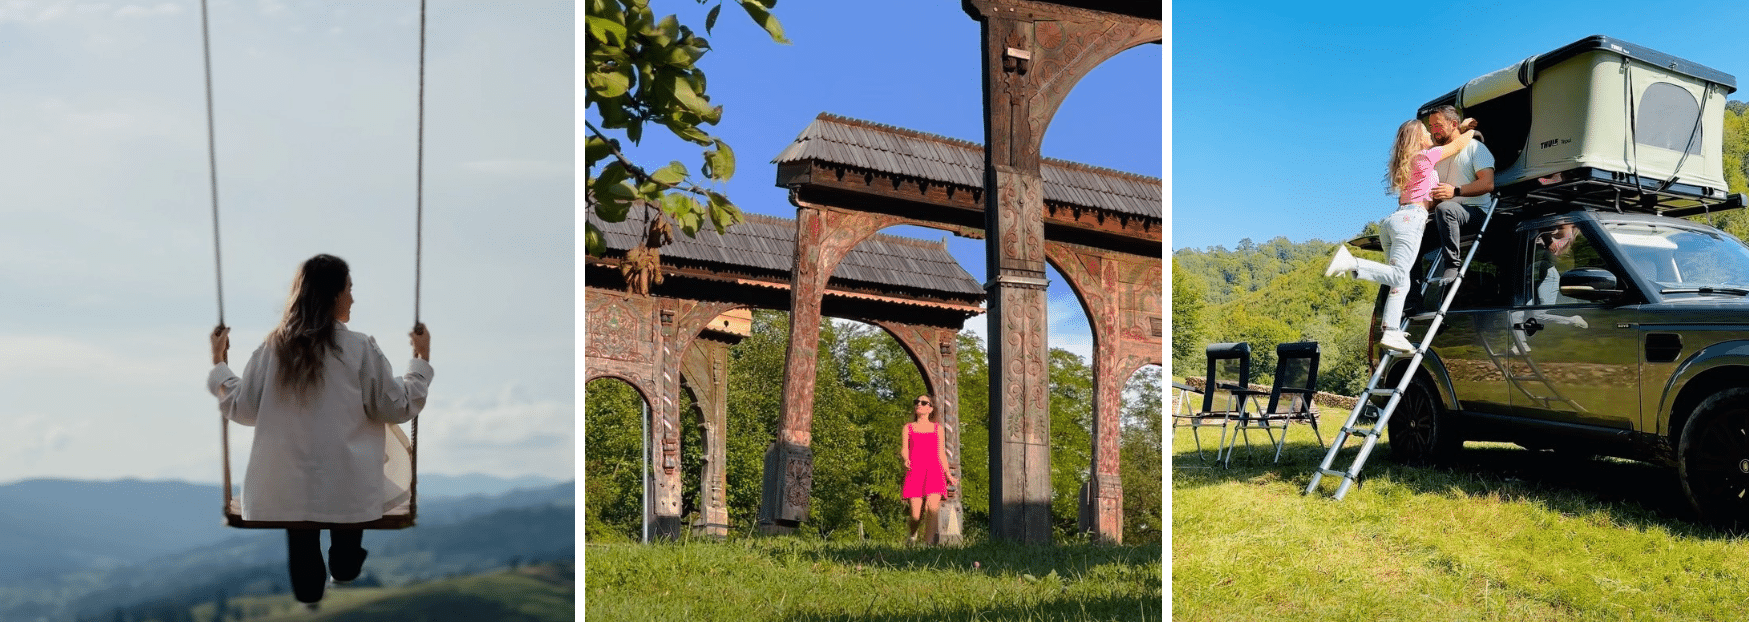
(321, 398)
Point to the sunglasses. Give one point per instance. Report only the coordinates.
(922, 402)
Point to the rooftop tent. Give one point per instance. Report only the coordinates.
(1606, 122)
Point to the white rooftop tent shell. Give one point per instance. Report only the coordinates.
(1605, 110)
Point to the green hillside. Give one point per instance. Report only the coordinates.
(529, 594)
(1267, 294)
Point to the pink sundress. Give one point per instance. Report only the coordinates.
(926, 476)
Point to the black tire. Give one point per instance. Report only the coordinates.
(1420, 432)
(1712, 458)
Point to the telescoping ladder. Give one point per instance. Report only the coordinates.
(1369, 427)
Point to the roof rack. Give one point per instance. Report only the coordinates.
(1615, 191)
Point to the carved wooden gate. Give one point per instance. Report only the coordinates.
(658, 342)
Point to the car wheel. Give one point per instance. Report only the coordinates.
(1419, 432)
(1712, 458)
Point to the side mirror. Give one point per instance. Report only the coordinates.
(1590, 284)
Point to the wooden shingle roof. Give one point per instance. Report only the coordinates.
(896, 151)
(766, 245)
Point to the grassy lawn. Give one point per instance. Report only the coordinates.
(789, 578)
(1502, 534)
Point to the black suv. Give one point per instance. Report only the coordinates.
(1596, 332)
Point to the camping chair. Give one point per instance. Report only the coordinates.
(1226, 356)
(1292, 395)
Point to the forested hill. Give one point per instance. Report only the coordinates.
(1227, 274)
(1266, 294)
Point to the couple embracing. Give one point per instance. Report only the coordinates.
(1439, 170)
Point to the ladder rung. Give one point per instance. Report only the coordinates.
(1342, 474)
(1524, 378)
(1361, 433)
(1383, 391)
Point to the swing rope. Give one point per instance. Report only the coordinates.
(420, 169)
(218, 272)
(212, 162)
(419, 219)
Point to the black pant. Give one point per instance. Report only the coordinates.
(1452, 220)
(304, 559)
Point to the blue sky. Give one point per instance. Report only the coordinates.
(912, 64)
(106, 257)
(1283, 112)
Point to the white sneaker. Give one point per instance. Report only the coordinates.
(1341, 262)
(1396, 340)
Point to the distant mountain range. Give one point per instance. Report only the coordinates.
(73, 549)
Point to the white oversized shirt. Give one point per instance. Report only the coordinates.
(323, 460)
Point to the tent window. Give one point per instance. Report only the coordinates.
(1667, 118)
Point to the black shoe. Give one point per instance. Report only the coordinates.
(346, 564)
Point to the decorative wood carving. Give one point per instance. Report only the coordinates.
(824, 236)
(1035, 53)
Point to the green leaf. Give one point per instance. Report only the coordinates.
(685, 95)
(606, 31)
(689, 132)
(614, 173)
(593, 243)
(595, 148)
(724, 214)
(720, 162)
(614, 210)
(712, 17)
(682, 55)
(608, 84)
(663, 33)
(685, 210)
(765, 20)
(670, 175)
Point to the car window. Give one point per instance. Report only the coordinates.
(1483, 287)
(1552, 251)
(1681, 260)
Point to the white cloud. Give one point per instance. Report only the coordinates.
(25, 11)
(506, 434)
(521, 168)
(135, 10)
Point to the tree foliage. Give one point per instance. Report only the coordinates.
(641, 69)
(1275, 293)
(1733, 169)
(1187, 319)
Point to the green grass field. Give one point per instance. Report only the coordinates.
(799, 579)
(1502, 534)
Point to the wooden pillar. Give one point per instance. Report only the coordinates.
(679, 322)
(705, 369)
(1033, 53)
(1020, 454)
(823, 238)
(1093, 275)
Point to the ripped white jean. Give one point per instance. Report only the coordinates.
(1401, 232)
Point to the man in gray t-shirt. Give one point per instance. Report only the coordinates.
(1466, 182)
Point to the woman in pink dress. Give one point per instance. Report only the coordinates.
(927, 466)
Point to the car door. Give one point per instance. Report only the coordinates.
(1476, 325)
(1570, 359)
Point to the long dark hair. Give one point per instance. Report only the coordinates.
(306, 333)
